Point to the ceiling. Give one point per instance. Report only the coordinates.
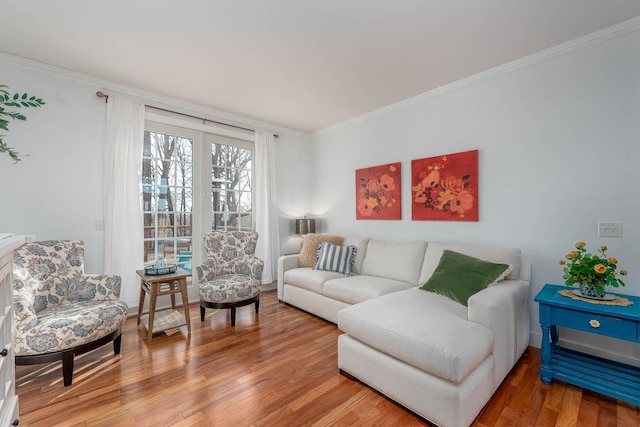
(296, 64)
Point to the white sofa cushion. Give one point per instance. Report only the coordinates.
(498, 254)
(395, 260)
(423, 329)
(356, 289)
(361, 244)
(309, 279)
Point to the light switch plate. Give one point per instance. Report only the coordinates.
(609, 229)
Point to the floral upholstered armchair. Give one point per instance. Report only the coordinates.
(231, 275)
(59, 310)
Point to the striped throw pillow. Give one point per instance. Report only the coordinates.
(335, 258)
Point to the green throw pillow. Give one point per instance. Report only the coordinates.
(459, 276)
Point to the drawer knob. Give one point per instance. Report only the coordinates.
(4, 352)
(594, 323)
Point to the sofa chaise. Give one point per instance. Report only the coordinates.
(438, 357)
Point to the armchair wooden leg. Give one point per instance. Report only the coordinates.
(233, 316)
(201, 313)
(67, 367)
(257, 306)
(116, 344)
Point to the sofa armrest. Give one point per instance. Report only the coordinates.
(285, 262)
(504, 308)
(100, 287)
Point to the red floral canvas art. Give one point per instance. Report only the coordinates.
(445, 188)
(378, 192)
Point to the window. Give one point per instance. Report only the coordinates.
(167, 195)
(231, 185)
(192, 183)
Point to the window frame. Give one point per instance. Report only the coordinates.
(210, 139)
(202, 136)
(175, 237)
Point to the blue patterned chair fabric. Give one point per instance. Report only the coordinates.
(231, 275)
(60, 309)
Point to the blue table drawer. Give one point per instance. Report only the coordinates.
(595, 323)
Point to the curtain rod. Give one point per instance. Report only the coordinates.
(101, 94)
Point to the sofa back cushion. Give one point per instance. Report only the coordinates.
(361, 244)
(309, 252)
(395, 260)
(511, 256)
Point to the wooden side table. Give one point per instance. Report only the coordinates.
(165, 284)
(614, 379)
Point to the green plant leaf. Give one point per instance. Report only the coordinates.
(17, 100)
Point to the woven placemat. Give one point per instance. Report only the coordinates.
(618, 301)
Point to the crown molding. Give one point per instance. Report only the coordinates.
(148, 97)
(614, 31)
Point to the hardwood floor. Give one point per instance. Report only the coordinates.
(276, 369)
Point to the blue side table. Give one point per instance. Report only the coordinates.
(614, 379)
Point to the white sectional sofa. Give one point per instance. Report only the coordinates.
(433, 355)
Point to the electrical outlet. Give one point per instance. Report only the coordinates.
(609, 229)
(99, 224)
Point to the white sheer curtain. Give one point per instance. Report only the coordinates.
(266, 213)
(123, 223)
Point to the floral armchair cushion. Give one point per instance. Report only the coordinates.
(57, 306)
(230, 288)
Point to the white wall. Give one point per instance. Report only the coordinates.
(295, 178)
(558, 152)
(57, 191)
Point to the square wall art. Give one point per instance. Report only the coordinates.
(378, 192)
(445, 188)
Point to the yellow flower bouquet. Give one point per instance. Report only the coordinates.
(597, 270)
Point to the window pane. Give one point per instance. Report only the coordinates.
(244, 202)
(231, 203)
(167, 184)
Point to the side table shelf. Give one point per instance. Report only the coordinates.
(611, 378)
(604, 376)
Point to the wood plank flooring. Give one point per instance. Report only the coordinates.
(275, 369)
